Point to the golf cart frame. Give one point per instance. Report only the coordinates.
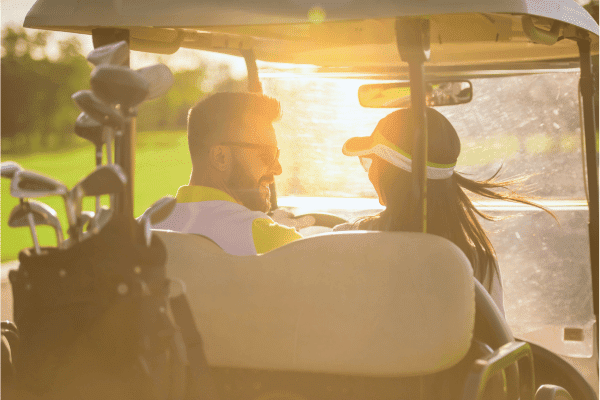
(417, 36)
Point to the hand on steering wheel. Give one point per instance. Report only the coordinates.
(284, 217)
(287, 218)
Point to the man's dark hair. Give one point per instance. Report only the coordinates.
(212, 118)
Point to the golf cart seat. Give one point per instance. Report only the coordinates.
(383, 306)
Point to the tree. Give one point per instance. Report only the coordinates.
(37, 110)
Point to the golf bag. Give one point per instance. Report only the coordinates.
(95, 321)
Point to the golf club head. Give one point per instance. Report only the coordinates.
(110, 54)
(95, 108)
(106, 179)
(160, 210)
(160, 79)
(9, 169)
(119, 85)
(42, 213)
(23, 216)
(18, 216)
(32, 185)
(156, 213)
(147, 231)
(97, 222)
(88, 128)
(85, 217)
(101, 219)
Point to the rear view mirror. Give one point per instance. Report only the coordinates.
(397, 95)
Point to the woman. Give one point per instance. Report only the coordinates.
(386, 155)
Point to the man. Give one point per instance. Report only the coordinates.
(234, 160)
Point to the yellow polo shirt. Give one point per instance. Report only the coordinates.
(213, 213)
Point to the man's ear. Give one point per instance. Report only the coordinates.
(220, 157)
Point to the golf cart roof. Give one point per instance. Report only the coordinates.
(338, 33)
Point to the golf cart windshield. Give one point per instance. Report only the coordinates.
(527, 124)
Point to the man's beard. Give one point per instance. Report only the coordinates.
(247, 190)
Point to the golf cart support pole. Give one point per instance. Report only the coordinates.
(125, 144)
(586, 83)
(412, 38)
(254, 86)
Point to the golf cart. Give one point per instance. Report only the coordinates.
(370, 314)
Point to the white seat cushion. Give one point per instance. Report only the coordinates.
(366, 303)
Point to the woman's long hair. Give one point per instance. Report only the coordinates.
(450, 212)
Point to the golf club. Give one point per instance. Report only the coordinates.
(100, 220)
(84, 218)
(97, 109)
(21, 216)
(159, 210)
(9, 169)
(160, 79)
(43, 214)
(156, 213)
(119, 85)
(33, 185)
(106, 179)
(126, 88)
(110, 54)
(89, 129)
(103, 180)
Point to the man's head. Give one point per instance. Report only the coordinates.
(233, 146)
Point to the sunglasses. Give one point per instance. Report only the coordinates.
(268, 154)
(365, 162)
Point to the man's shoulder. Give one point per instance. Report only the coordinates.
(221, 209)
(189, 216)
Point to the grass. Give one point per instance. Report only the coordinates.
(162, 165)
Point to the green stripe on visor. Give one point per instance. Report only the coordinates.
(377, 144)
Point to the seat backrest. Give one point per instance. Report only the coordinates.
(366, 303)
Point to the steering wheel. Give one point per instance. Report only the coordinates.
(552, 369)
(324, 219)
(491, 328)
(490, 325)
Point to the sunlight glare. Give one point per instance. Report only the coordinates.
(538, 143)
(316, 15)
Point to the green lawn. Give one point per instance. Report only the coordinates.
(162, 165)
